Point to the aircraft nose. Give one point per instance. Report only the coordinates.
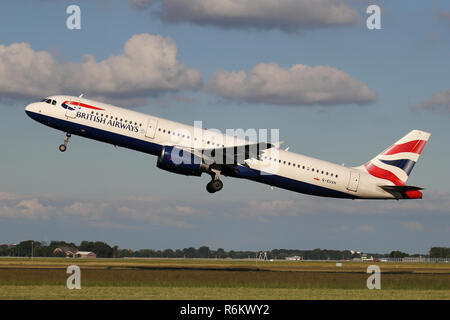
(31, 107)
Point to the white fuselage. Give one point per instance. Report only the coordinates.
(146, 133)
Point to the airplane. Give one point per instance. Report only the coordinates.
(192, 151)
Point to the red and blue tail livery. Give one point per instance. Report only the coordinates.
(396, 162)
(192, 151)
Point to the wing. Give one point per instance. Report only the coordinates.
(231, 155)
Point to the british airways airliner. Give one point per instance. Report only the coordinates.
(191, 151)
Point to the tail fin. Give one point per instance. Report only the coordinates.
(396, 162)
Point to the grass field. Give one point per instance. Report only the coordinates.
(218, 279)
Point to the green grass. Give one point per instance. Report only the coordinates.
(222, 279)
(218, 279)
(190, 293)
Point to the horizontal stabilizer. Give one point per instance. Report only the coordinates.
(400, 188)
(404, 192)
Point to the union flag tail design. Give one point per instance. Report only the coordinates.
(396, 162)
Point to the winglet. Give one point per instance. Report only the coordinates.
(277, 144)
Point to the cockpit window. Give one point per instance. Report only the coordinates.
(54, 102)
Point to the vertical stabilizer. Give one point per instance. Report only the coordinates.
(396, 162)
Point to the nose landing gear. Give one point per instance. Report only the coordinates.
(63, 147)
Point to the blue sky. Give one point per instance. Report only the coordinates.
(98, 192)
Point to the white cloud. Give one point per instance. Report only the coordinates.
(141, 4)
(142, 212)
(433, 204)
(285, 15)
(444, 15)
(147, 67)
(439, 102)
(299, 85)
(365, 228)
(412, 225)
(125, 212)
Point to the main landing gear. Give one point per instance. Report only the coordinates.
(63, 147)
(215, 184)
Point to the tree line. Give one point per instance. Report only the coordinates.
(103, 250)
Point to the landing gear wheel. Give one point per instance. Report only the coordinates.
(217, 185)
(62, 148)
(209, 188)
(214, 186)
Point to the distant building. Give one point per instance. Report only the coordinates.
(364, 257)
(85, 254)
(294, 258)
(68, 251)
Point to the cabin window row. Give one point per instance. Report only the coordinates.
(302, 167)
(187, 137)
(116, 118)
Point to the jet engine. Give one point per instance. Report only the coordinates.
(180, 161)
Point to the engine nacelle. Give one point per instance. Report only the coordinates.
(180, 161)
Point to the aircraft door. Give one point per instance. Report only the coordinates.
(71, 108)
(151, 128)
(353, 182)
